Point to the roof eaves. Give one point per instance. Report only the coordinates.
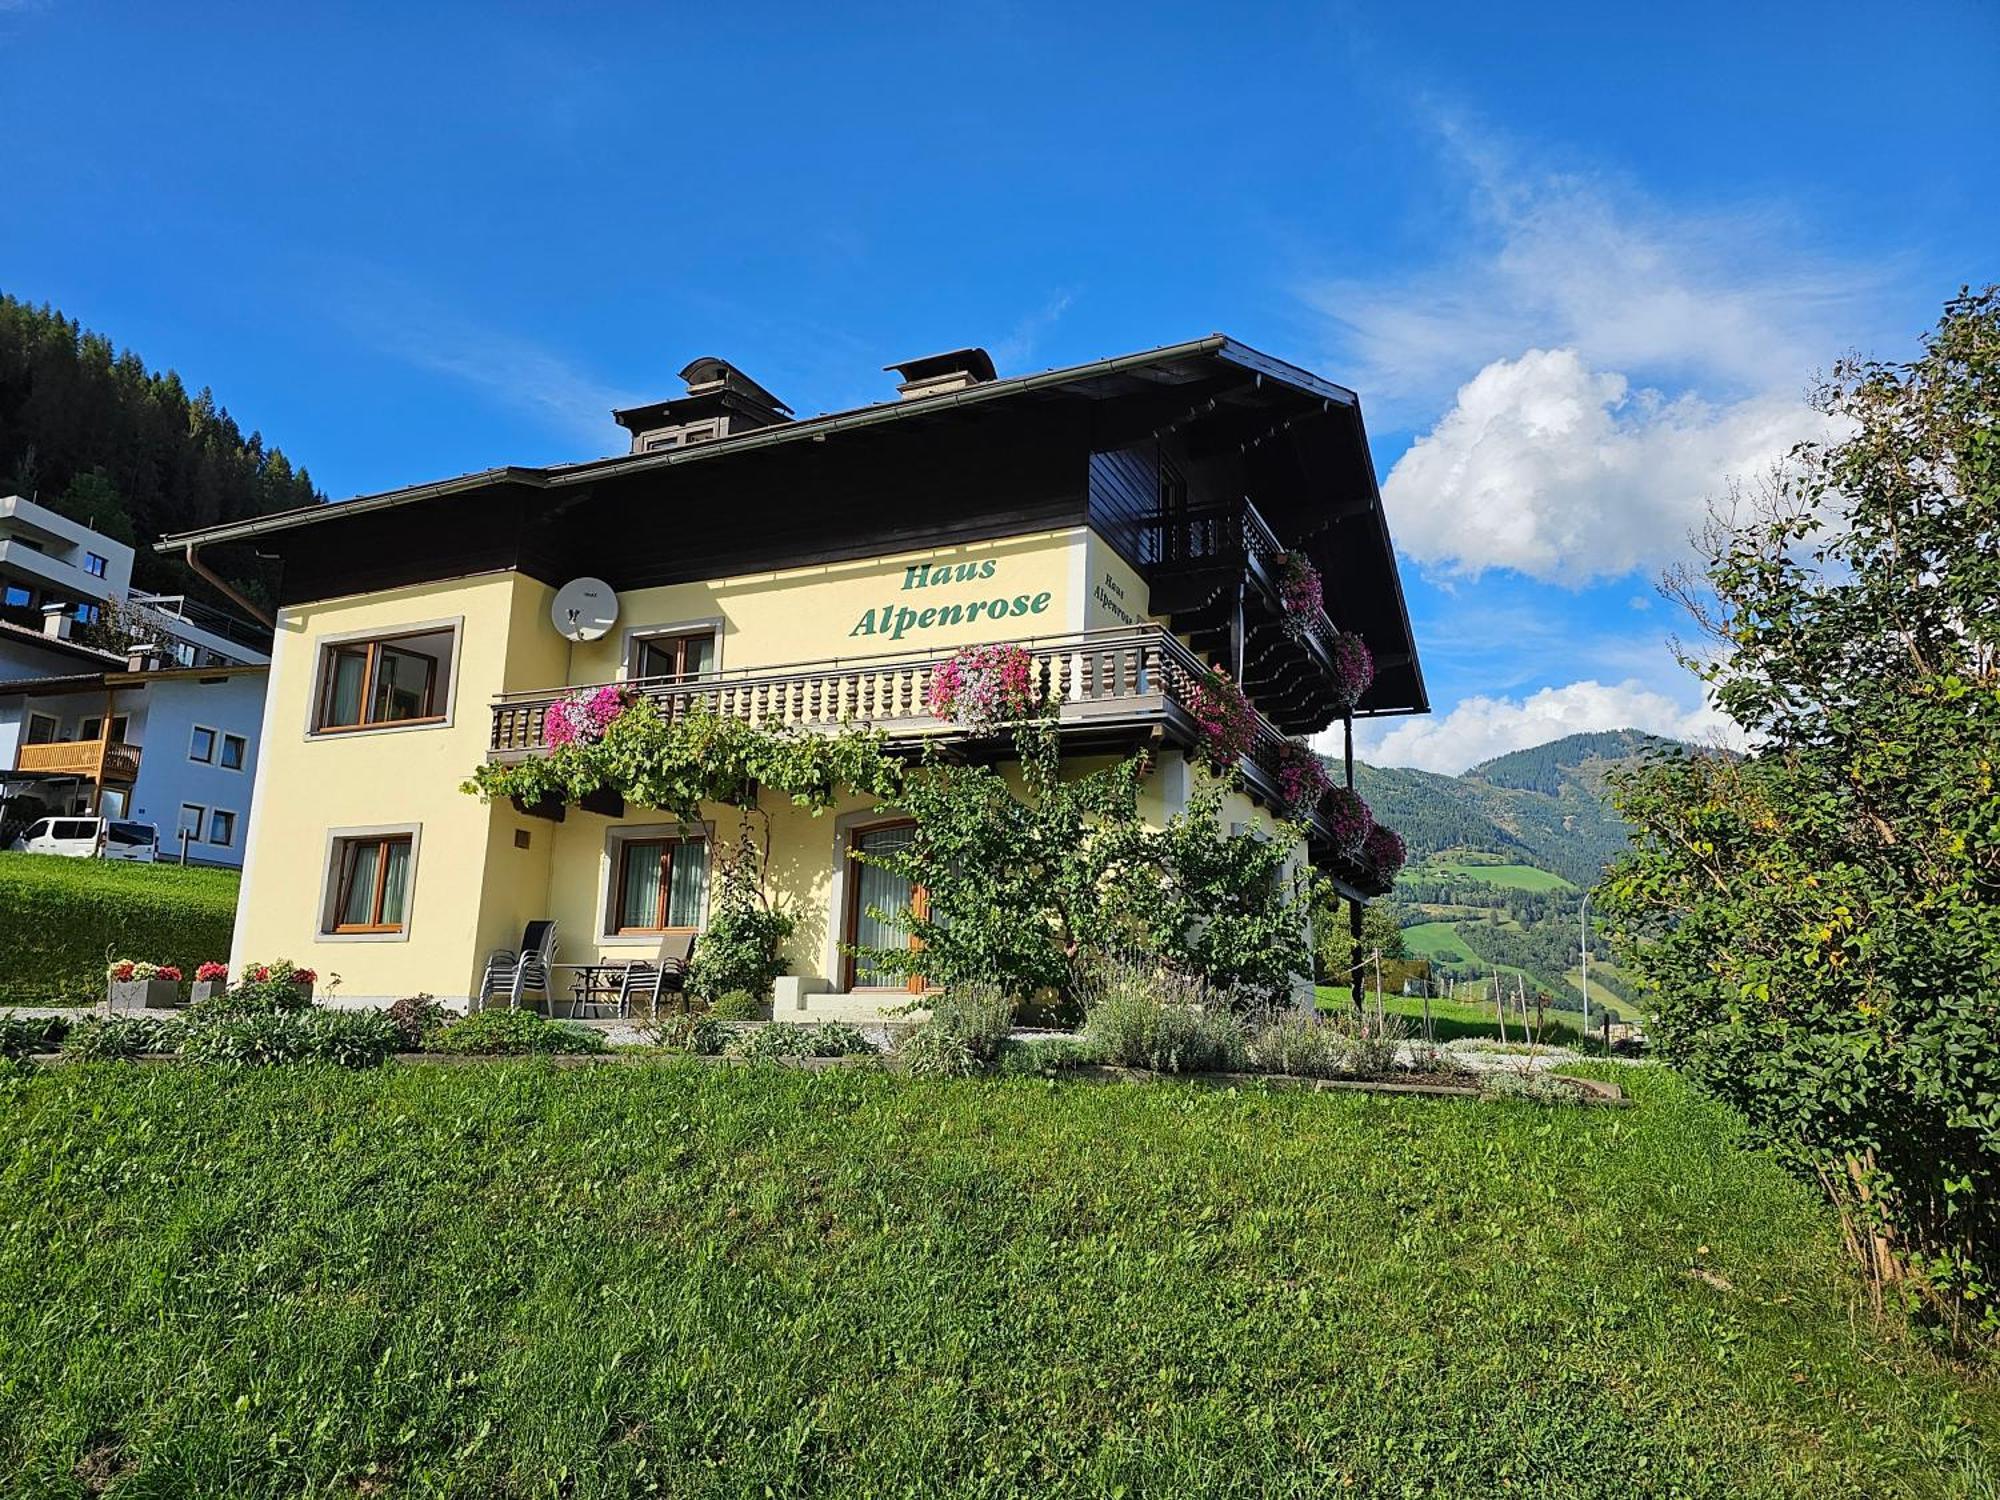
(809, 428)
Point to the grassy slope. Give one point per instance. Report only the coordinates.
(472, 1281)
(1451, 1021)
(59, 916)
(1507, 877)
(1439, 940)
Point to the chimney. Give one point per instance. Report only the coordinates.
(57, 623)
(721, 402)
(934, 374)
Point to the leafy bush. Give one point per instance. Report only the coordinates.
(1820, 919)
(1142, 1016)
(21, 1036)
(60, 917)
(1301, 1047)
(102, 1038)
(781, 1039)
(1041, 1057)
(516, 1031)
(418, 1019)
(980, 1015)
(345, 1038)
(933, 1051)
(252, 997)
(741, 948)
(701, 1034)
(736, 1005)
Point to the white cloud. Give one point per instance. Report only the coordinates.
(1566, 473)
(1480, 728)
(1615, 363)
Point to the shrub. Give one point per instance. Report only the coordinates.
(1301, 1047)
(933, 1051)
(418, 1019)
(102, 1038)
(21, 1036)
(60, 917)
(1148, 1017)
(780, 1039)
(1048, 1055)
(702, 1034)
(345, 1038)
(736, 1005)
(980, 1015)
(252, 997)
(516, 1032)
(742, 946)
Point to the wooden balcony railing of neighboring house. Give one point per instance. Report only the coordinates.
(102, 761)
(1122, 684)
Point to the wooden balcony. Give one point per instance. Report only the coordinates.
(1215, 569)
(1116, 689)
(103, 761)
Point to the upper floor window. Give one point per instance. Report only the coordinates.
(232, 752)
(201, 744)
(93, 728)
(94, 565)
(678, 656)
(395, 679)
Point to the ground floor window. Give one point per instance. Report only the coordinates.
(221, 827)
(661, 884)
(371, 883)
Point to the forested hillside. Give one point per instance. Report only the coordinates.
(1500, 858)
(88, 430)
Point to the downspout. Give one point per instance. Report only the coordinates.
(228, 590)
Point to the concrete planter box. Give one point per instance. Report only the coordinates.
(206, 989)
(145, 994)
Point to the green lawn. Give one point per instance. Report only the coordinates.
(1440, 942)
(685, 1281)
(59, 917)
(1451, 1022)
(1508, 877)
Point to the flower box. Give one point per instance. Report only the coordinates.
(145, 994)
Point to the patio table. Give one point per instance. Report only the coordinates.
(594, 984)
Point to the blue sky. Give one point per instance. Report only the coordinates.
(1580, 262)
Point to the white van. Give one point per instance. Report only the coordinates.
(91, 838)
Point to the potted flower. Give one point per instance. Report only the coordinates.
(981, 687)
(1348, 819)
(1301, 594)
(1382, 856)
(210, 979)
(1223, 717)
(581, 718)
(142, 986)
(283, 971)
(1302, 778)
(1353, 667)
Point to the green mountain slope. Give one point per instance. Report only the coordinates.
(1501, 855)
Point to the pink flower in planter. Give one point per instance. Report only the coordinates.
(1349, 819)
(1383, 853)
(1300, 593)
(1224, 718)
(256, 973)
(167, 971)
(1353, 667)
(1302, 778)
(305, 976)
(581, 718)
(982, 686)
(121, 971)
(212, 973)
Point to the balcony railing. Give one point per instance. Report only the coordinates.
(98, 760)
(1132, 678)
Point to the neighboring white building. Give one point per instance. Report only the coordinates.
(174, 747)
(57, 575)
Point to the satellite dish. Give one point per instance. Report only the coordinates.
(584, 609)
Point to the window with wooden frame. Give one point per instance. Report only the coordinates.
(659, 885)
(678, 656)
(371, 890)
(93, 728)
(389, 680)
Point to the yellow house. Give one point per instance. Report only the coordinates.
(1131, 523)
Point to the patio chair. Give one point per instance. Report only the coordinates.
(666, 972)
(514, 974)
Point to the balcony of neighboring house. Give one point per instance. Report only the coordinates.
(1116, 690)
(198, 635)
(1216, 571)
(106, 762)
